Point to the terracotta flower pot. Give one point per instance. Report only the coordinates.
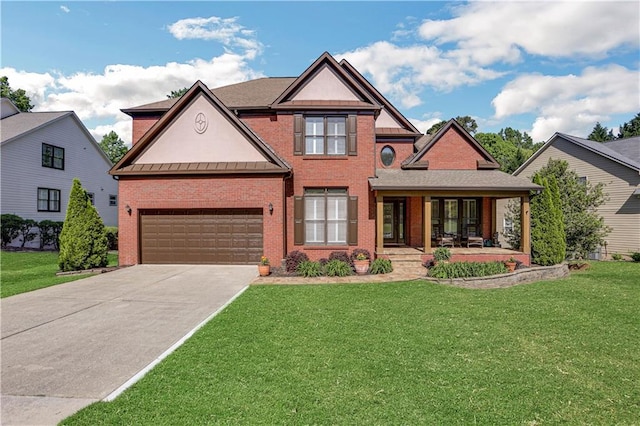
(511, 266)
(264, 270)
(362, 266)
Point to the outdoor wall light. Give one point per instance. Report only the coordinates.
(270, 208)
(128, 209)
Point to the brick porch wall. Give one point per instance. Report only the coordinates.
(196, 192)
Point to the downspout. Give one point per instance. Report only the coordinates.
(285, 238)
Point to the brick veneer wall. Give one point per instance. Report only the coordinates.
(140, 126)
(351, 172)
(199, 192)
(452, 152)
(403, 151)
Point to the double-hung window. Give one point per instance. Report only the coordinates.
(48, 200)
(325, 217)
(52, 156)
(325, 135)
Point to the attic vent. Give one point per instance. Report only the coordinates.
(200, 123)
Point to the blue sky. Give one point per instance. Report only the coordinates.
(539, 67)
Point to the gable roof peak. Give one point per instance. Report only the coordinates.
(197, 89)
(488, 163)
(326, 60)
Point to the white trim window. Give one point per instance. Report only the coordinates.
(326, 220)
(325, 135)
(507, 226)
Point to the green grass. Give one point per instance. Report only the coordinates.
(23, 271)
(563, 351)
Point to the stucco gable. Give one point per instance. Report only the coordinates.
(200, 133)
(325, 84)
(198, 129)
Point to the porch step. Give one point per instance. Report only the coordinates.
(407, 263)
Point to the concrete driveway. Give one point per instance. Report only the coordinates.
(67, 346)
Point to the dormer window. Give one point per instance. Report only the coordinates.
(325, 135)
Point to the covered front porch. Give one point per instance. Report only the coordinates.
(426, 209)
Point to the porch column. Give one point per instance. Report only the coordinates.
(494, 217)
(426, 213)
(525, 225)
(379, 224)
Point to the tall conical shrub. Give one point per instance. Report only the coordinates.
(83, 240)
(547, 236)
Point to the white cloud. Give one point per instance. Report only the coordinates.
(424, 125)
(488, 32)
(65, 9)
(223, 30)
(99, 97)
(570, 103)
(403, 72)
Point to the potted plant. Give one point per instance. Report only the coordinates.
(263, 267)
(361, 263)
(511, 264)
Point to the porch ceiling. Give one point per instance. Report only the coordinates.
(450, 180)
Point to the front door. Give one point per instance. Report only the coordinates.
(393, 226)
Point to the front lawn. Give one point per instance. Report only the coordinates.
(563, 351)
(22, 271)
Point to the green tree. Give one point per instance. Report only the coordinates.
(113, 146)
(468, 123)
(600, 134)
(177, 93)
(517, 138)
(83, 240)
(18, 97)
(584, 228)
(630, 128)
(546, 225)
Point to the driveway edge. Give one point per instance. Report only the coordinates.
(139, 375)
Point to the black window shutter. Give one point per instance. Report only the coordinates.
(352, 120)
(298, 124)
(352, 215)
(298, 220)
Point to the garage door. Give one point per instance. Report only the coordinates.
(224, 236)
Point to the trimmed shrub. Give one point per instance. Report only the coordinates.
(635, 256)
(27, 232)
(83, 240)
(341, 256)
(308, 269)
(548, 245)
(356, 252)
(616, 256)
(112, 237)
(10, 225)
(50, 233)
(467, 269)
(337, 268)
(441, 254)
(380, 266)
(294, 259)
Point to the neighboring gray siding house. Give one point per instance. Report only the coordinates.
(40, 154)
(617, 165)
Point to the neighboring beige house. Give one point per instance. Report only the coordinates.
(617, 165)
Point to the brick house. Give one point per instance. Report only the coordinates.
(318, 163)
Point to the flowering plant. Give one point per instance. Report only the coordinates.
(361, 256)
(264, 260)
